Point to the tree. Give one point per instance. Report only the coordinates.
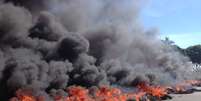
(194, 53)
(168, 41)
(172, 44)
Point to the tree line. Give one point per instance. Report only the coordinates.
(193, 52)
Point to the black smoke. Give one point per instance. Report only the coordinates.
(48, 45)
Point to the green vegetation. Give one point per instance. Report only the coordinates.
(193, 52)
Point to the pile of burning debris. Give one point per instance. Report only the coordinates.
(145, 92)
(186, 87)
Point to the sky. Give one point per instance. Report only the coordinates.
(180, 20)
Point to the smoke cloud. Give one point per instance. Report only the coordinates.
(48, 45)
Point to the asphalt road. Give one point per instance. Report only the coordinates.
(187, 97)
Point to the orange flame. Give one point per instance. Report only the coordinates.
(183, 87)
(180, 88)
(81, 94)
(78, 94)
(138, 96)
(193, 82)
(104, 93)
(156, 91)
(24, 95)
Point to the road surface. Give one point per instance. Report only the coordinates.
(187, 97)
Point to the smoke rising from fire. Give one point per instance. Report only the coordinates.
(47, 45)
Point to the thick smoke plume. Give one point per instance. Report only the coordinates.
(47, 45)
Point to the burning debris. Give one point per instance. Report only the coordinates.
(47, 46)
(156, 91)
(145, 92)
(186, 87)
(93, 94)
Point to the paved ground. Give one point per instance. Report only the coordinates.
(187, 97)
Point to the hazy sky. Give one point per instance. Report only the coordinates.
(180, 20)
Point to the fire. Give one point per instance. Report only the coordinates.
(105, 93)
(23, 95)
(109, 94)
(180, 88)
(77, 93)
(24, 98)
(138, 96)
(185, 87)
(193, 82)
(156, 91)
